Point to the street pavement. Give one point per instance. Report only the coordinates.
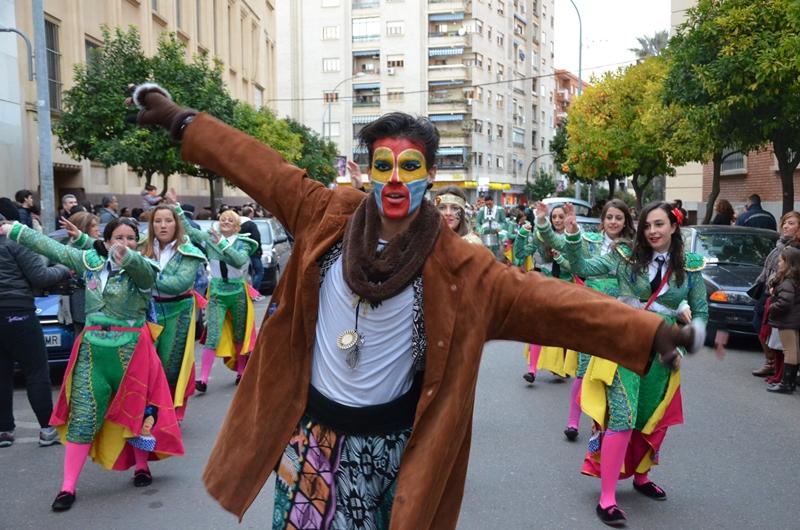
(733, 464)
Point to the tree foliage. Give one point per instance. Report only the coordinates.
(651, 46)
(264, 125)
(737, 64)
(543, 185)
(317, 155)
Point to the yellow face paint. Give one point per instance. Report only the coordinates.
(407, 167)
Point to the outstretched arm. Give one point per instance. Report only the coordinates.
(51, 249)
(583, 265)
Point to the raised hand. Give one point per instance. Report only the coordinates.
(72, 230)
(117, 253)
(570, 223)
(541, 211)
(355, 175)
(215, 236)
(156, 108)
(569, 208)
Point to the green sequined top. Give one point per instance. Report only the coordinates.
(126, 294)
(179, 274)
(529, 243)
(637, 286)
(236, 254)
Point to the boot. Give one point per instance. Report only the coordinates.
(788, 383)
(769, 364)
(778, 376)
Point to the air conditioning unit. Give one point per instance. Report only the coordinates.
(390, 71)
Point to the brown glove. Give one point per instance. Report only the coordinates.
(668, 338)
(157, 108)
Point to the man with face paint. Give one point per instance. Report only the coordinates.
(359, 392)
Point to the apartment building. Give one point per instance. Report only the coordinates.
(239, 33)
(566, 91)
(481, 70)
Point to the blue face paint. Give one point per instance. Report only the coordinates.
(417, 189)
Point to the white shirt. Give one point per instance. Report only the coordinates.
(385, 368)
(652, 270)
(165, 254)
(105, 273)
(605, 248)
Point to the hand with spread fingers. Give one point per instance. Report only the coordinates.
(72, 230)
(355, 175)
(541, 211)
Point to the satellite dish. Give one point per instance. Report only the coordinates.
(462, 31)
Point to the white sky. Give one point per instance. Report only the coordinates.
(610, 28)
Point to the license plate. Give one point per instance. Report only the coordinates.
(52, 340)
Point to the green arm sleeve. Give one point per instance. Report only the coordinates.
(583, 265)
(141, 270)
(524, 246)
(697, 296)
(84, 242)
(180, 279)
(236, 257)
(51, 249)
(550, 237)
(198, 237)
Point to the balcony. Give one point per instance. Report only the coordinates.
(366, 95)
(444, 72)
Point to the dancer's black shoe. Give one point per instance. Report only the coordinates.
(649, 489)
(142, 478)
(200, 386)
(530, 377)
(64, 501)
(571, 433)
(612, 516)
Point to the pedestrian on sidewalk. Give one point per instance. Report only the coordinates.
(114, 404)
(21, 334)
(360, 391)
(784, 315)
(631, 412)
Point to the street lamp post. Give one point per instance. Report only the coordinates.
(326, 116)
(528, 171)
(580, 74)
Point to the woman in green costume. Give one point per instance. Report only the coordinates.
(550, 262)
(632, 413)
(174, 299)
(230, 320)
(114, 380)
(616, 230)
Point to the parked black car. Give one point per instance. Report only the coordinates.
(734, 258)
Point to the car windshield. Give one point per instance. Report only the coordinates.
(730, 247)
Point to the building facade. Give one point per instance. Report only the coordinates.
(481, 70)
(239, 33)
(566, 90)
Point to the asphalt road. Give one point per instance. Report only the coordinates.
(733, 464)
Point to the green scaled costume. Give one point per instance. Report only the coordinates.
(528, 244)
(175, 309)
(103, 356)
(617, 398)
(228, 297)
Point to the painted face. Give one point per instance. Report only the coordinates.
(123, 235)
(399, 176)
(164, 226)
(557, 218)
(613, 222)
(658, 230)
(452, 214)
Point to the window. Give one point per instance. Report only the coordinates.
(330, 32)
(488, 161)
(154, 5)
(500, 163)
(258, 97)
(735, 162)
(197, 8)
(395, 61)
(501, 39)
(395, 28)
(179, 14)
(330, 97)
(395, 94)
(331, 64)
(488, 65)
(479, 93)
(479, 158)
(501, 7)
(366, 29)
(501, 101)
(489, 32)
(53, 64)
(499, 131)
(500, 72)
(92, 48)
(478, 27)
(478, 126)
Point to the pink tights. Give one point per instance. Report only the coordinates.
(612, 456)
(241, 362)
(207, 363)
(533, 357)
(574, 418)
(74, 458)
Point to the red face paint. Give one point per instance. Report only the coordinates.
(399, 176)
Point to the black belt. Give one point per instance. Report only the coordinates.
(396, 415)
(174, 298)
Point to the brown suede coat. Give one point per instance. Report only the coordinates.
(469, 298)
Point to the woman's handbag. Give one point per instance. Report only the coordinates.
(757, 290)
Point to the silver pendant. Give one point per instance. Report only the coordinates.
(350, 342)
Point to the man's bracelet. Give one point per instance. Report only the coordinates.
(180, 124)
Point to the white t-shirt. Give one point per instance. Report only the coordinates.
(385, 368)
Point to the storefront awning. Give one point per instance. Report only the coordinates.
(446, 17)
(449, 82)
(440, 52)
(366, 86)
(450, 151)
(446, 117)
(367, 53)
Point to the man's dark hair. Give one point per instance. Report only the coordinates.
(402, 125)
(21, 195)
(8, 209)
(755, 199)
(488, 197)
(150, 187)
(77, 208)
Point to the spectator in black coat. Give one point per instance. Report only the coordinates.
(24, 200)
(724, 213)
(756, 216)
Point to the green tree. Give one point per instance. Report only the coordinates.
(543, 185)
(651, 46)
(317, 155)
(559, 145)
(737, 63)
(264, 125)
(93, 124)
